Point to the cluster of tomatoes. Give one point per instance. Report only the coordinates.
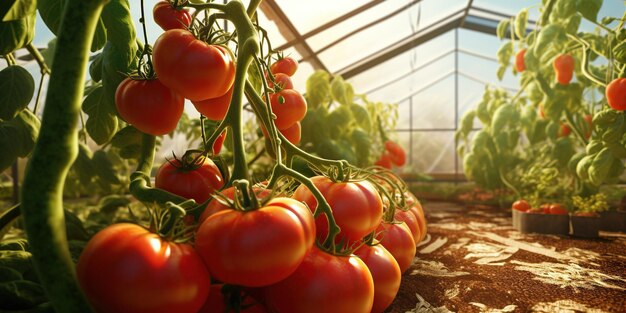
(256, 259)
(547, 208)
(393, 155)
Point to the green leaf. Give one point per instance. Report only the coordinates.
(16, 34)
(619, 52)
(104, 167)
(361, 116)
(19, 9)
(84, 166)
(550, 35)
(362, 146)
(589, 8)
(28, 126)
(503, 29)
(573, 23)
(48, 53)
(467, 123)
(318, 89)
(341, 91)
(563, 9)
(254, 77)
(51, 12)
(99, 37)
(520, 23)
(102, 123)
(505, 53)
(128, 140)
(21, 295)
(505, 115)
(600, 166)
(18, 87)
(8, 274)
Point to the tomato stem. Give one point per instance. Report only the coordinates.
(9, 216)
(175, 212)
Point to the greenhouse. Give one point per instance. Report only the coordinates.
(405, 156)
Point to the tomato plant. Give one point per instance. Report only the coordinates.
(192, 181)
(149, 105)
(289, 107)
(191, 67)
(324, 283)
(286, 65)
(385, 273)
(397, 239)
(121, 265)
(168, 17)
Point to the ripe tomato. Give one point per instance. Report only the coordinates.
(385, 272)
(126, 268)
(215, 109)
(564, 68)
(283, 81)
(197, 184)
(557, 208)
(616, 94)
(357, 207)
(384, 161)
(292, 133)
(565, 130)
(416, 208)
(521, 205)
(410, 219)
(520, 66)
(217, 302)
(287, 66)
(397, 239)
(589, 119)
(219, 142)
(166, 16)
(252, 248)
(149, 106)
(397, 156)
(324, 283)
(289, 107)
(191, 67)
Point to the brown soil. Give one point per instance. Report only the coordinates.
(578, 275)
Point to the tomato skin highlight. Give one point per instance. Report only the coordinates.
(357, 207)
(520, 66)
(397, 239)
(385, 273)
(191, 67)
(197, 184)
(324, 283)
(149, 106)
(564, 68)
(125, 268)
(166, 16)
(290, 110)
(287, 66)
(252, 248)
(215, 109)
(616, 94)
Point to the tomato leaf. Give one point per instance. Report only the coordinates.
(18, 9)
(548, 36)
(589, 8)
(104, 167)
(16, 34)
(505, 115)
(18, 87)
(619, 52)
(341, 91)
(21, 295)
(573, 23)
(28, 126)
(102, 123)
(563, 9)
(600, 166)
(503, 29)
(318, 89)
(361, 116)
(520, 23)
(128, 140)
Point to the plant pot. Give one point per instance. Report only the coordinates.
(516, 215)
(585, 226)
(614, 221)
(540, 223)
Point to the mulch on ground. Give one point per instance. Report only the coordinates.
(474, 261)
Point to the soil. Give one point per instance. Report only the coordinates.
(474, 261)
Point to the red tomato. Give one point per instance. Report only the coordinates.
(545, 208)
(565, 130)
(616, 94)
(215, 206)
(397, 239)
(588, 129)
(219, 141)
(357, 207)
(197, 184)
(324, 283)
(149, 106)
(564, 68)
(287, 66)
(252, 248)
(166, 16)
(520, 66)
(397, 156)
(292, 133)
(410, 219)
(217, 302)
(289, 107)
(191, 67)
(215, 109)
(283, 81)
(521, 205)
(385, 272)
(541, 112)
(416, 208)
(557, 208)
(384, 161)
(125, 268)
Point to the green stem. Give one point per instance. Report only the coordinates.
(9, 216)
(508, 184)
(54, 153)
(10, 59)
(579, 134)
(39, 94)
(585, 60)
(176, 212)
(546, 14)
(39, 58)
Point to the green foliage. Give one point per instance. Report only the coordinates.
(16, 30)
(102, 123)
(592, 204)
(51, 12)
(17, 87)
(17, 137)
(589, 8)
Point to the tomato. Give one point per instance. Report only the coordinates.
(521, 205)
(410, 219)
(545, 208)
(219, 142)
(215, 206)
(292, 133)
(191, 67)
(324, 283)
(520, 66)
(149, 106)
(217, 302)
(197, 184)
(616, 94)
(166, 16)
(289, 107)
(287, 66)
(397, 239)
(126, 268)
(252, 248)
(385, 273)
(541, 112)
(215, 109)
(557, 208)
(416, 208)
(589, 119)
(565, 130)
(283, 81)
(564, 68)
(397, 156)
(384, 161)
(357, 207)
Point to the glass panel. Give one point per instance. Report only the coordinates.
(470, 93)
(404, 115)
(509, 7)
(307, 15)
(434, 107)
(432, 152)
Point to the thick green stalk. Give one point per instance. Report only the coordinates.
(54, 153)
